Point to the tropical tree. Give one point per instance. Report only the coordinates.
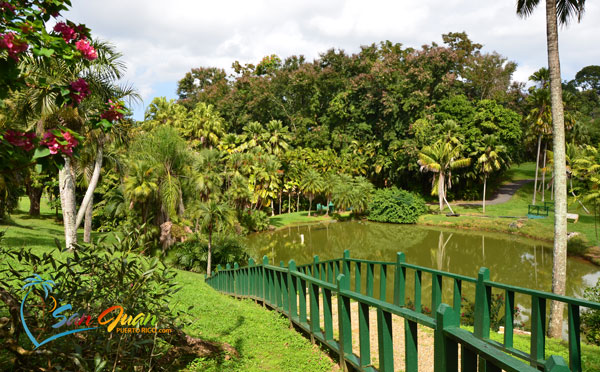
(491, 156)
(540, 120)
(440, 158)
(212, 216)
(557, 11)
(311, 184)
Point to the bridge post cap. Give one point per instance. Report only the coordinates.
(346, 253)
(292, 265)
(556, 363)
(484, 272)
(400, 257)
(265, 260)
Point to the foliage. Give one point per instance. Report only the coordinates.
(396, 206)
(92, 279)
(192, 254)
(590, 320)
(254, 221)
(496, 312)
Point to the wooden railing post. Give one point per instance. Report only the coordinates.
(236, 283)
(346, 264)
(482, 305)
(315, 267)
(344, 320)
(399, 280)
(228, 284)
(264, 279)
(292, 292)
(556, 364)
(445, 350)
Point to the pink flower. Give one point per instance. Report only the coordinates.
(86, 49)
(79, 90)
(20, 139)
(68, 33)
(7, 41)
(55, 147)
(6, 7)
(112, 114)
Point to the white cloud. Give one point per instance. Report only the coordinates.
(162, 40)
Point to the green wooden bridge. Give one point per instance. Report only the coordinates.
(293, 290)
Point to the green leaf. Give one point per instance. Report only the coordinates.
(38, 168)
(65, 91)
(43, 52)
(41, 152)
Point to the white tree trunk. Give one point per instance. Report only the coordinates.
(66, 183)
(89, 193)
(87, 225)
(537, 166)
(544, 173)
(441, 182)
(559, 268)
(484, 186)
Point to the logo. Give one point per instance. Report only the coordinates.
(110, 317)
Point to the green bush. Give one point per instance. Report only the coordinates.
(396, 206)
(92, 279)
(590, 320)
(577, 245)
(254, 221)
(192, 254)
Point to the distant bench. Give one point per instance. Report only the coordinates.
(537, 211)
(573, 216)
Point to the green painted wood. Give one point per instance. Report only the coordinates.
(344, 319)
(418, 306)
(285, 295)
(538, 328)
(382, 282)
(556, 364)
(336, 270)
(411, 346)
(292, 292)
(357, 276)
(364, 334)
(483, 295)
(509, 317)
(491, 367)
(445, 349)
(313, 294)
(264, 280)
(228, 282)
(236, 282)
(315, 267)
(370, 269)
(346, 264)
(302, 300)
(278, 301)
(436, 291)
(457, 298)
(327, 314)
(574, 339)
(468, 359)
(386, 346)
(400, 280)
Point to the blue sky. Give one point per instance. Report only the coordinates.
(161, 40)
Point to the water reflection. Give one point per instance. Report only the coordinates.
(511, 260)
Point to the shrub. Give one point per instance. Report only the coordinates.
(590, 320)
(467, 316)
(192, 254)
(254, 220)
(577, 245)
(92, 279)
(396, 206)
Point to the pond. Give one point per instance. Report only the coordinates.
(511, 259)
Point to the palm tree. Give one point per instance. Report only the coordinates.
(363, 191)
(557, 11)
(440, 158)
(540, 119)
(278, 137)
(330, 180)
(311, 184)
(490, 158)
(212, 216)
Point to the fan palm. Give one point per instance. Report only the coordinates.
(557, 11)
(212, 216)
(491, 157)
(311, 184)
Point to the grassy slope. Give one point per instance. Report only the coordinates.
(263, 338)
(472, 216)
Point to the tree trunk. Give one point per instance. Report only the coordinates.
(537, 166)
(298, 202)
(290, 201)
(87, 225)
(441, 182)
(272, 209)
(484, 186)
(327, 206)
(89, 193)
(67, 201)
(559, 268)
(280, 196)
(35, 196)
(209, 259)
(309, 205)
(544, 173)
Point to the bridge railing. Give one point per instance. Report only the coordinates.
(299, 292)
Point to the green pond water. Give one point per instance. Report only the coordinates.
(512, 260)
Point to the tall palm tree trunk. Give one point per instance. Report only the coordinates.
(537, 166)
(66, 183)
(289, 201)
(544, 173)
(441, 182)
(209, 258)
(484, 187)
(559, 268)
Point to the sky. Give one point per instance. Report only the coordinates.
(162, 40)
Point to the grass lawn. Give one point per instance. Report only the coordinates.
(523, 171)
(301, 218)
(262, 338)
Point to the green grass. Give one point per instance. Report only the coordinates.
(472, 217)
(590, 354)
(297, 218)
(523, 171)
(262, 338)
